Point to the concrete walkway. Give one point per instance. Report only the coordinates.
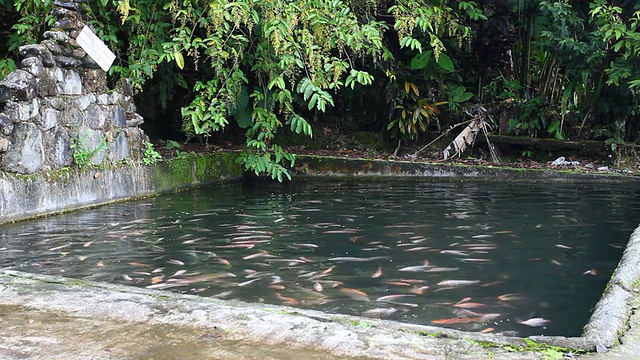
(45, 317)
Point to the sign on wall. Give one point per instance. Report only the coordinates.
(95, 48)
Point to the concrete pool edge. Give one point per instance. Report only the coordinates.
(24, 197)
(262, 324)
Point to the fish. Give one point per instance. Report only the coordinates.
(257, 255)
(317, 287)
(355, 294)
(416, 268)
(535, 322)
(397, 283)
(328, 270)
(441, 269)
(248, 246)
(562, 246)
(377, 274)
(487, 330)
(451, 321)
(379, 312)
(357, 259)
(393, 297)
(248, 282)
(137, 264)
(178, 273)
(592, 272)
(288, 300)
(456, 283)
(454, 252)
(175, 262)
(345, 231)
(469, 305)
(418, 290)
(509, 297)
(157, 279)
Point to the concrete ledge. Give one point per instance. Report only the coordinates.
(28, 196)
(265, 326)
(339, 166)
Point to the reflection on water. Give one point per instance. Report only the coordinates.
(511, 258)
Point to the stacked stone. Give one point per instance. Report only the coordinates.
(59, 97)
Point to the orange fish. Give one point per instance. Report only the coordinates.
(377, 274)
(487, 330)
(325, 272)
(288, 300)
(225, 262)
(451, 321)
(355, 294)
(418, 290)
(157, 279)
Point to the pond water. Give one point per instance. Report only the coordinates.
(514, 258)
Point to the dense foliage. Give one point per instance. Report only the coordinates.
(564, 69)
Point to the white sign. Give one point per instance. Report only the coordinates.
(95, 48)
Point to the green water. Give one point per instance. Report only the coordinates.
(524, 250)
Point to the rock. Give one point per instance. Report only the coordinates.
(119, 117)
(119, 148)
(67, 62)
(92, 143)
(70, 5)
(26, 153)
(4, 144)
(48, 119)
(134, 119)
(104, 99)
(46, 83)
(95, 116)
(83, 102)
(78, 54)
(71, 83)
(71, 117)
(18, 85)
(123, 86)
(22, 111)
(89, 63)
(52, 46)
(94, 80)
(33, 65)
(59, 153)
(58, 36)
(37, 50)
(6, 125)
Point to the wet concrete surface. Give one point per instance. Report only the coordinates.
(46, 317)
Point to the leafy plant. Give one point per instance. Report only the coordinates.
(82, 152)
(171, 145)
(415, 113)
(151, 156)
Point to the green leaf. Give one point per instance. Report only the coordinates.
(179, 59)
(445, 62)
(421, 60)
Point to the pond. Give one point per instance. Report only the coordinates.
(515, 258)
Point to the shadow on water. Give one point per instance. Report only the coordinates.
(514, 258)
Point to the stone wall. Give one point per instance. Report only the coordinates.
(57, 103)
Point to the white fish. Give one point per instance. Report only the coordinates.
(379, 312)
(534, 322)
(454, 283)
